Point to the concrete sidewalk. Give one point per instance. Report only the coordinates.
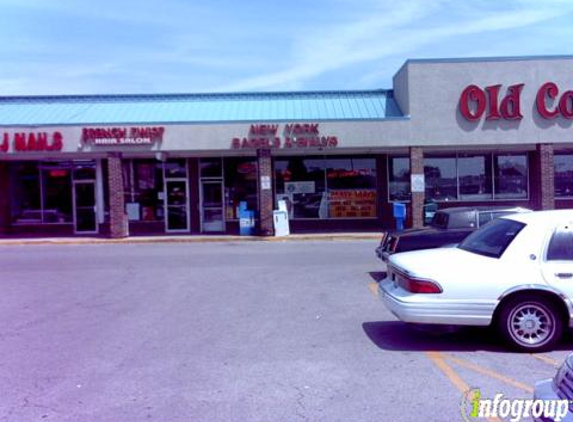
(189, 239)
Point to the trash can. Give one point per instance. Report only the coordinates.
(399, 211)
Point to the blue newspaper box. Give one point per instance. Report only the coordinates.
(246, 220)
(399, 211)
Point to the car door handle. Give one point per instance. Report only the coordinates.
(564, 275)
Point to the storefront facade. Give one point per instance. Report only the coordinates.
(457, 132)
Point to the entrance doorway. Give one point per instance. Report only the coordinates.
(177, 211)
(85, 211)
(212, 206)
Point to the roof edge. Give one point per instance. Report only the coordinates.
(185, 96)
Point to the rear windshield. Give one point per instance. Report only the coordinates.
(492, 239)
(440, 220)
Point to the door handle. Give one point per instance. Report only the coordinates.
(564, 275)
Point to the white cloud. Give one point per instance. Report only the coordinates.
(396, 30)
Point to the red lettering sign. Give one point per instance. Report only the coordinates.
(32, 142)
(295, 135)
(563, 107)
(113, 136)
(474, 102)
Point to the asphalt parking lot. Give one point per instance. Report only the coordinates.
(251, 331)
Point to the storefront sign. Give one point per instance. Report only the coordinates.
(122, 136)
(31, 141)
(295, 135)
(475, 102)
(358, 203)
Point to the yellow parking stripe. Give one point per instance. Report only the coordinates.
(373, 288)
(490, 373)
(546, 359)
(438, 359)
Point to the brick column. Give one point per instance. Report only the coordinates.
(4, 198)
(417, 204)
(545, 177)
(266, 200)
(117, 216)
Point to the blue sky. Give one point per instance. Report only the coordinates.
(149, 46)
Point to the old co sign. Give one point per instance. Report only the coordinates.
(550, 104)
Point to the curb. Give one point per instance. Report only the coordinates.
(190, 239)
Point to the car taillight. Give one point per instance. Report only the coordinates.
(417, 285)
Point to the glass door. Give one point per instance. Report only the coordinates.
(212, 216)
(177, 211)
(85, 220)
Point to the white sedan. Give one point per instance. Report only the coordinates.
(515, 273)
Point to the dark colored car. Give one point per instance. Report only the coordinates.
(448, 226)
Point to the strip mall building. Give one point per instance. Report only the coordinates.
(458, 132)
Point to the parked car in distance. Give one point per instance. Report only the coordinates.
(515, 273)
(448, 227)
(559, 387)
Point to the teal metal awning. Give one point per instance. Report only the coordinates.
(198, 108)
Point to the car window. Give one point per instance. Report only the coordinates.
(561, 245)
(496, 214)
(484, 217)
(493, 239)
(440, 220)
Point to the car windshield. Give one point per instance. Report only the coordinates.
(492, 239)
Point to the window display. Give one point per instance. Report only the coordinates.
(474, 173)
(399, 179)
(441, 178)
(510, 176)
(563, 175)
(240, 185)
(41, 192)
(143, 187)
(338, 187)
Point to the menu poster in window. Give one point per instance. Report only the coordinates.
(300, 187)
(132, 209)
(360, 203)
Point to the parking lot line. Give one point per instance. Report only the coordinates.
(439, 360)
(490, 373)
(373, 288)
(547, 360)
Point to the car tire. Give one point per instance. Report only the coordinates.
(530, 323)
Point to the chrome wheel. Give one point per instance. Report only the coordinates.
(531, 324)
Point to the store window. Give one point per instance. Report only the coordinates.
(510, 176)
(563, 175)
(474, 174)
(351, 187)
(240, 185)
(476, 177)
(399, 179)
(144, 195)
(41, 193)
(322, 188)
(441, 178)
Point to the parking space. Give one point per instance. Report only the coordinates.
(251, 331)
